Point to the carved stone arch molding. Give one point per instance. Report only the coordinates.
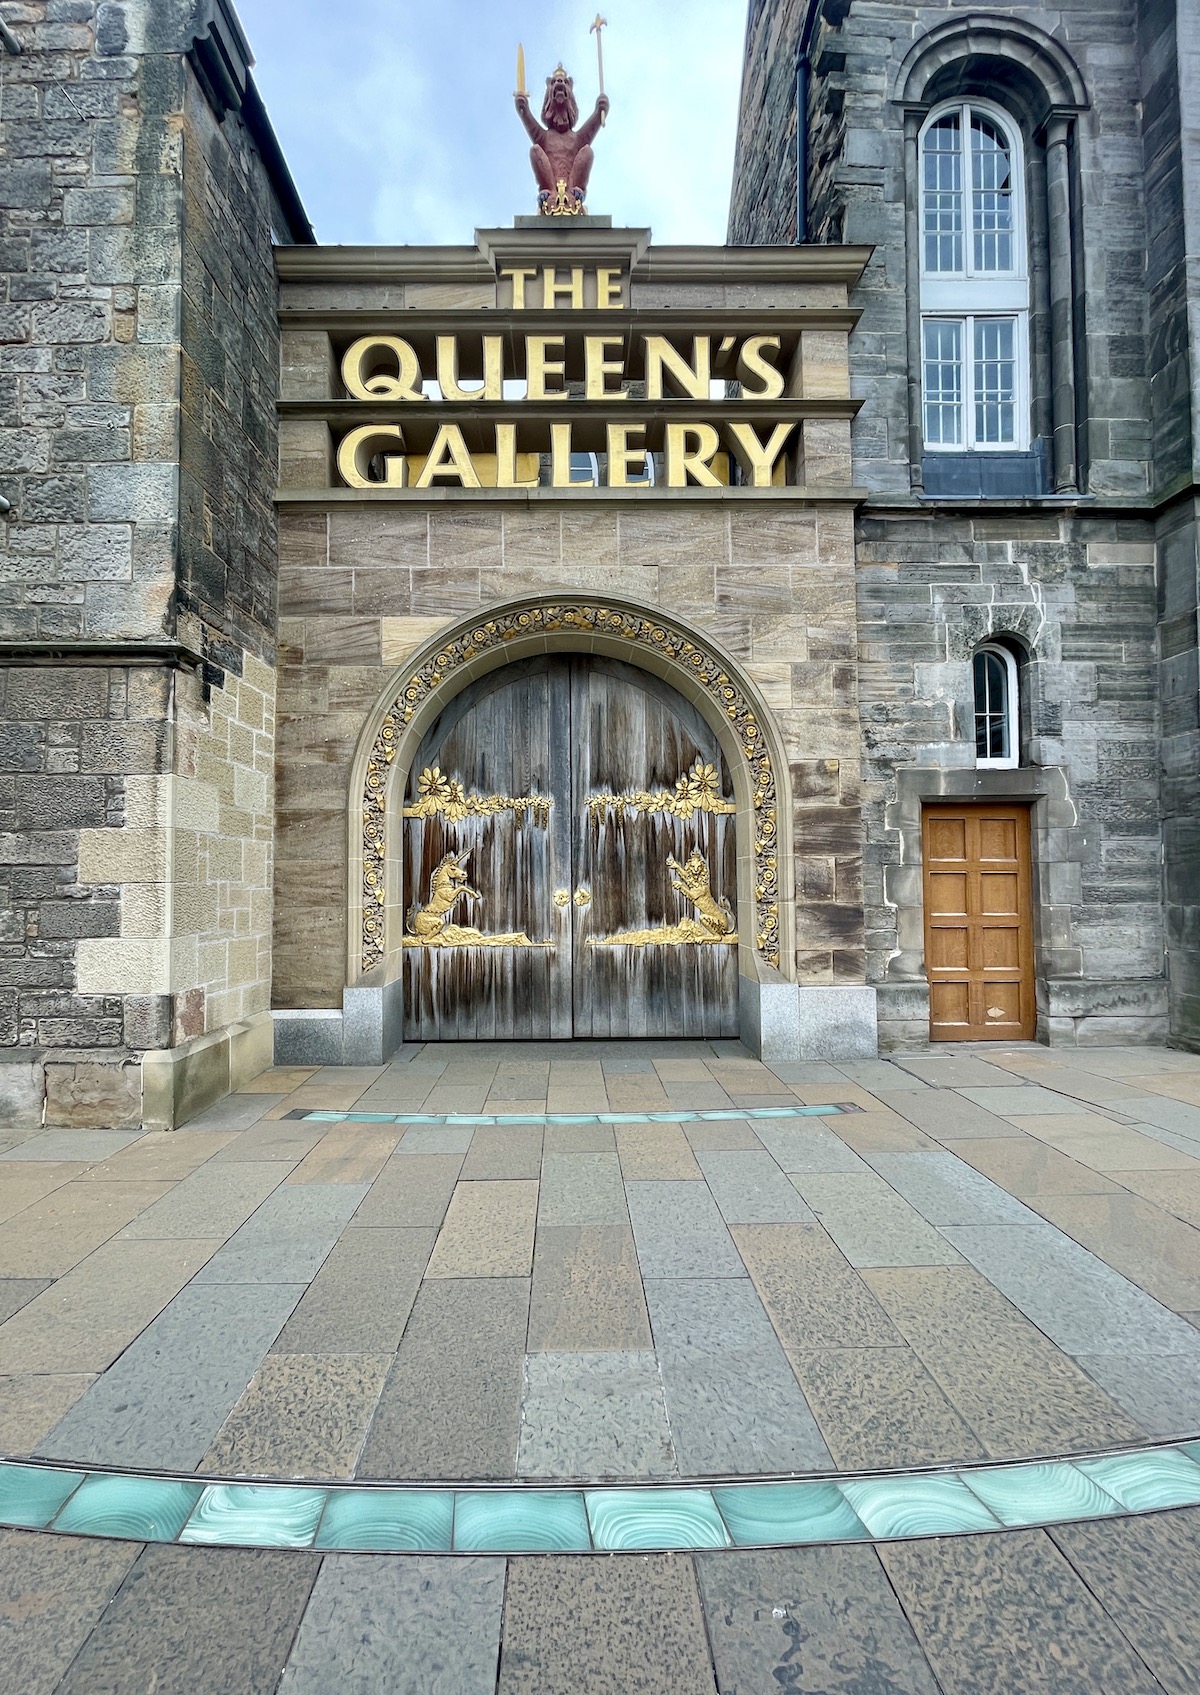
(985, 35)
(684, 657)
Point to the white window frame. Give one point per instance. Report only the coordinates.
(967, 295)
(1012, 704)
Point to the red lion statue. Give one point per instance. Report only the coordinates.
(561, 154)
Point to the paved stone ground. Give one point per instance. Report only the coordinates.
(998, 1255)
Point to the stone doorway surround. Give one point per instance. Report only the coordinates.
(779, 1017)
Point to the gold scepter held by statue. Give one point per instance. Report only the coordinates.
(600, 23)
(521, 89)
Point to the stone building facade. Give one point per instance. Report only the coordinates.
(141, 194)
(1075, 543)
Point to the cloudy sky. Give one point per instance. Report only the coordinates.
(396, 116)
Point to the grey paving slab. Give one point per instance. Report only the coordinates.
(870, 1222)
(727, 1136)
(1078, 1301)
(679, 1232)
(732, 1399)
(1143, 1571)
(808, 1073)
(359, 1301)
(581, 1188)
(1160, 1110)
(960, 1071)
(53, 1590)
(811, 1621)
(946, 1115)
(436, 1139)
(17, 1292)
(284, 1140)
(879, 1074)
(411, 1192)
(749, 1188)
(594, 1415)
(1000, 1614)
(803, 1145)
(946, 1191)
(184, 1621)
(463, 1355)
(1161, 1394)
(89, 1145)
(599, 1626)
(213, 1202)
(234, 1112)
(814, 1298)
(289, 1238)
(163, 1401)
(580, 1139)
(1017, 1100)
(416, 1626)
(587, 1290)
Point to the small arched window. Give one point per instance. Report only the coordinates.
(997, 706)
(974, 282)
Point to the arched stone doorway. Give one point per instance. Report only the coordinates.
(665, 674)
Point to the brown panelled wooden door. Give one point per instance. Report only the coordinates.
(569, 862)
(978, 923)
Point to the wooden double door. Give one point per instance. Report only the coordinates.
(978, 923)
(569, 862)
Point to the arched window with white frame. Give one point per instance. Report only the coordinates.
(997, 706)
(974, 281)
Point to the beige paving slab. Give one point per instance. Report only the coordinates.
(214, 1201)
(870, 1222)
(270, 1141)
(734, 1135)
(1122, 1150)
(1175, 1085)
(278, 1080)
(55, 1233)
(879, 1133)
(1068, 1123)
(569, 1098)
(881, 1407)
(26, 1181)
(355, 1154)
(1176, 1192)
(1155, 1250)
(580, 1139)
(91, 1314)
(655, 1152)
(686, 1070)
(633, 1092)
(488, 1231)
(533, 1108)
(464, 1097)
(831, 1094)
(1020, 1394)
(32, 1403)
(302, 1415)
(162, 1156)
(1026, 1167)
(814, 1297)
(587, 1291)
(313, 1097)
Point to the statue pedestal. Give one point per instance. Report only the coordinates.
(584, 221)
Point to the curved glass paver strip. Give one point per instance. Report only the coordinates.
(717, 1115)
(529, 1518)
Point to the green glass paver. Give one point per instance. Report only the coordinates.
(655, 1518)
(784, 1514)
(917, 1506)
(520, 1521)
(142, 1509)
(1148, 1481)
(30, 1495)
(258, 1515)
(1040, 1494)
(394, 1521)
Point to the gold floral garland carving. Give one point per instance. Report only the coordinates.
(439, 796)
(698, 790)
(649, 633)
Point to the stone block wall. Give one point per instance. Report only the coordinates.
(137, 332)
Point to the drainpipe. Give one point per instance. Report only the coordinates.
(803, 84)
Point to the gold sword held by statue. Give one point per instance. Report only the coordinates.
(521, 89)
